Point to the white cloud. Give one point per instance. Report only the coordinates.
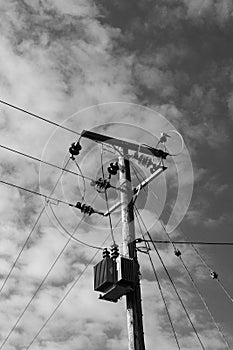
(55, 60)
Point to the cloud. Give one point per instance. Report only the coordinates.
(219, 11)
(57, 59)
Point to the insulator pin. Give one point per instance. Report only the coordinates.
(74, 149)
(114, 251)
(106, 253)
(113, 169)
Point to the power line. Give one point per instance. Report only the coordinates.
(106, 198)
(70, 234)
(178, 254)
(67, 293)
(30, 234)
(197, 252)
(36, 193)
(44, 196)
(83, 177)
(189, 242)
(160, 288)
(205, 304)
(44, 162)
(21, 250)
(212, 273)
(39, 117)
(39, 287)
(173, 284)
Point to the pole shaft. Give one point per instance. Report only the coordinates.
(133, 299)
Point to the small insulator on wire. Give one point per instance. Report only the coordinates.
(177, 252)
(214, 275)
(101, 184)
(113, 168)
(78, 205)
(74, 149)
(106, 253)
(114, 251)
(163, 137)
(85, 209)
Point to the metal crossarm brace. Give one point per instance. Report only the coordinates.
(124, 144)
(138, 188)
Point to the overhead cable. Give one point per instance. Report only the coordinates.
(39, 117)
(70, 234)
(205, 304)
(212, 273)
(67, 293)
(159, 286)
(83, 177)
(39, 287)
(188, 242)
(106, 198)
(47, 198)
(44, 162)
(179, 255)
(173, 284)
(30, 234)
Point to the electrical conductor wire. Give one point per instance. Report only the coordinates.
(83, 177)
(106, 198)
(30, 233)
(195, 249)
(190, 242)
(207, 265)
(70, 234)
(39, 117)
(197, 290)
(160, 287)
(39, 287)
(68, 292)
(44, 162)
(205, 304)
(211, 270)
(175, 289)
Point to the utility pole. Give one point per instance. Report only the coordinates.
(133, 299)
(128, 196)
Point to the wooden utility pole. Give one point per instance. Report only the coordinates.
(133, 299)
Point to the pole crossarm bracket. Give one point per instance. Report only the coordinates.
(138, 188)
(159, 153)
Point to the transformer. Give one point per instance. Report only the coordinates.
(105, 274)
(115, 278)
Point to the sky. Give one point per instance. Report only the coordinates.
(129, 70)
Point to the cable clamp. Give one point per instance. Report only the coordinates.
(214, 275)
(177, 252)
(143, 249)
